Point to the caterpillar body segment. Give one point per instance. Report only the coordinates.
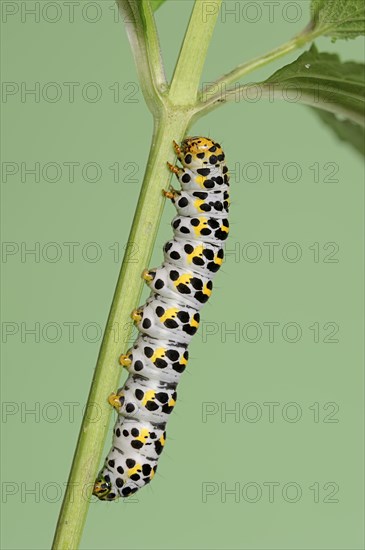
(187, 287)
(195, 203)
(169, 318)
(146, 400)
(200, 257)
(156, 360)
(212, 230)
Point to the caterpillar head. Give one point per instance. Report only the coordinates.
(200, 152)
(102, 488)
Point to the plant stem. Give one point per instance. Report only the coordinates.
(143, 38)
(107, 371)
(217, 91)
(186, 79)
(246, 68)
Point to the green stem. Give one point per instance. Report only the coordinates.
(143, 38)
(248, 67)
(188, 70)
(217, 91)
(127, 293)
(172, 118)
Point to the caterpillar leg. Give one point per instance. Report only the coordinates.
(124, 360)
(136, 315)
(172, 194)
(175, 169)
(114, 400)
(146, 276)
(102, 487)
(177, 149)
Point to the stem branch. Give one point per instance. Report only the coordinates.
(219, 90)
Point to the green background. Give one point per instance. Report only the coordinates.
(314, 441)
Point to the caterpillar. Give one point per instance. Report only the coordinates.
(169, 318)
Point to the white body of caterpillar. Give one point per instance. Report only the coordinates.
(169, 319)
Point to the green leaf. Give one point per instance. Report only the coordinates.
(322, 81)
(345, 130)
(338, 18)
(155, 4)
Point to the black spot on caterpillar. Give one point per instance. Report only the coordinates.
(169, 318)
